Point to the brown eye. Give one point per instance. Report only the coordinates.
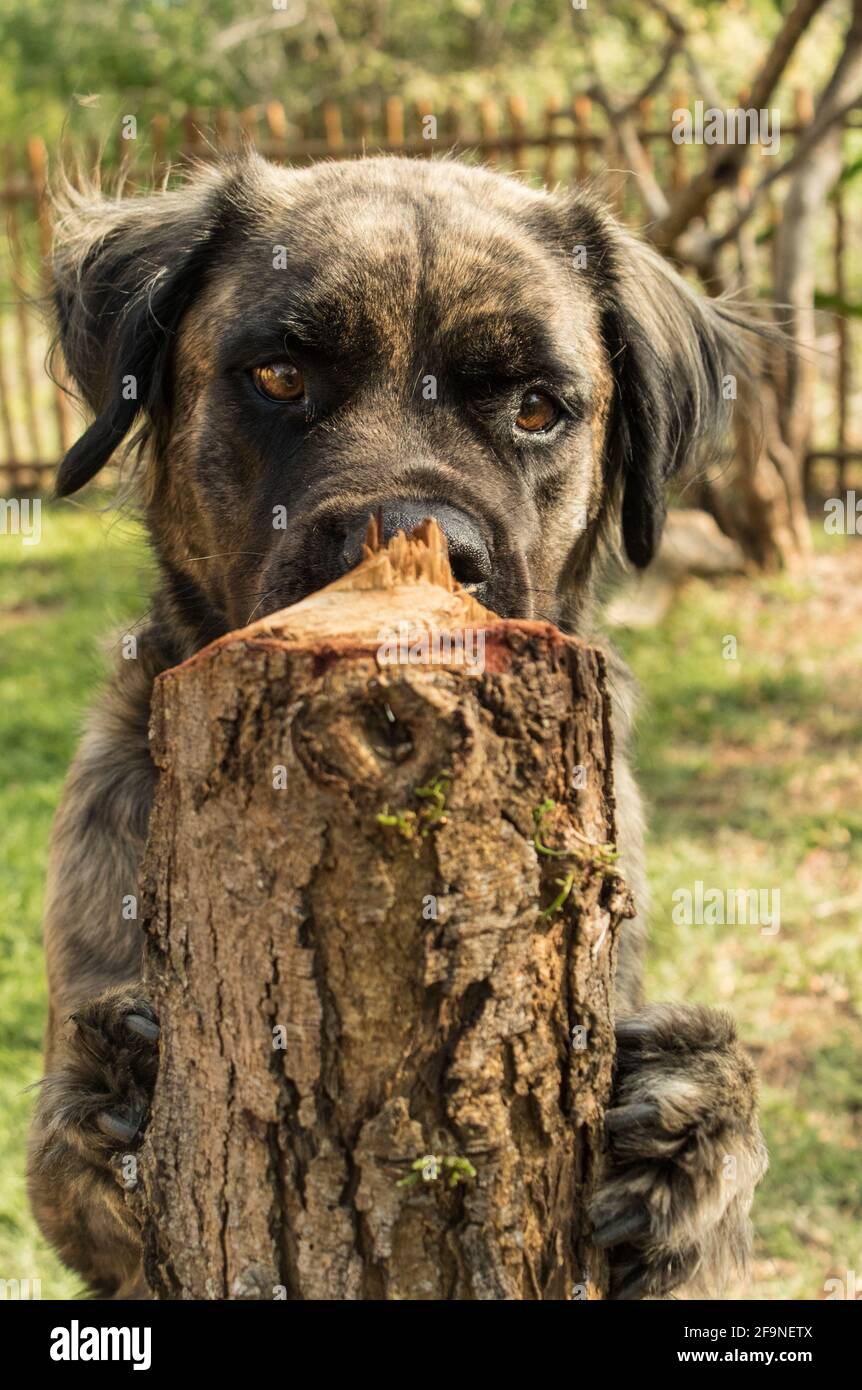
(537, 412)
(280, 381)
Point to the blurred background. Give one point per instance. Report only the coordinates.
(750, 762)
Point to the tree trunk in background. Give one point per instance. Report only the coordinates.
(768, 515)
(386, 1028)
(803, 215)
(760, 500)
(758, 497)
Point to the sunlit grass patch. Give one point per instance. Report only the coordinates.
(751, 770)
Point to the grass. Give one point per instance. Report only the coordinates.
(87, 575)
(750, 768)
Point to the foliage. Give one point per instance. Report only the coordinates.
(142, 57)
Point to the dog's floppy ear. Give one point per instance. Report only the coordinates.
(677, 358)
(124, 271)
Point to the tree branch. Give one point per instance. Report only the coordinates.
(726, 160)
(621, 118)
(702, 79)
(841, 94)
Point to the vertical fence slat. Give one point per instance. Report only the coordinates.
(454, 122)
(159, 137)
(192, 133)
(489, 119)
(803, 106)
(517, 123)
(615, 179)
(583, 109)
(276, 122)
(223, 128)
(552, 109)
(424, 109)
(22, 315)
(332, 128)
(842, 380)
(37, 158)
(248, 124)
(362, 129)
(8, 428)
(127, 160)
(394, 117)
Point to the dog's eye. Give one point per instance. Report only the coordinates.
(280, 381)
(537, 412)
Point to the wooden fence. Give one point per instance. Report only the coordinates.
(565, 143)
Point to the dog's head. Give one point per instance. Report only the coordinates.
(298, 348)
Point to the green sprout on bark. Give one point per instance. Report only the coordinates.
(402, 821)
(565, 885)
(603, 856)
(413, 824)
(435, 793)
(538, 816)
(431, 1167)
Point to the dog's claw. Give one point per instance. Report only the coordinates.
(634, 1032)
(633, 1282)
(621, 1229)
(623, 1117)
(117, 1126)
(143, 1027)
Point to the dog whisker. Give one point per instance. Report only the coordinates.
(223, 554)
(269, 594)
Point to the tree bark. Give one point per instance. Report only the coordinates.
(380, 928)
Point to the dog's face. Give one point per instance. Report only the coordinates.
(309, 346)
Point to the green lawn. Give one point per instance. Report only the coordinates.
(87, 575)
(752, 771)
(751, 768)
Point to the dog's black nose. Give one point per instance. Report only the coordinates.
(468, 551)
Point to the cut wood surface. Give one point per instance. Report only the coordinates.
(380, 910)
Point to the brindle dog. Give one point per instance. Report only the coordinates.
(430, 339)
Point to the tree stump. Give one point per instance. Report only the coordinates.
(380, 912)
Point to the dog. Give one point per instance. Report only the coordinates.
(419, 338)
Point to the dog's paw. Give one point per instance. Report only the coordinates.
(90, 1113)
(684, 1153)
(98, 1098)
